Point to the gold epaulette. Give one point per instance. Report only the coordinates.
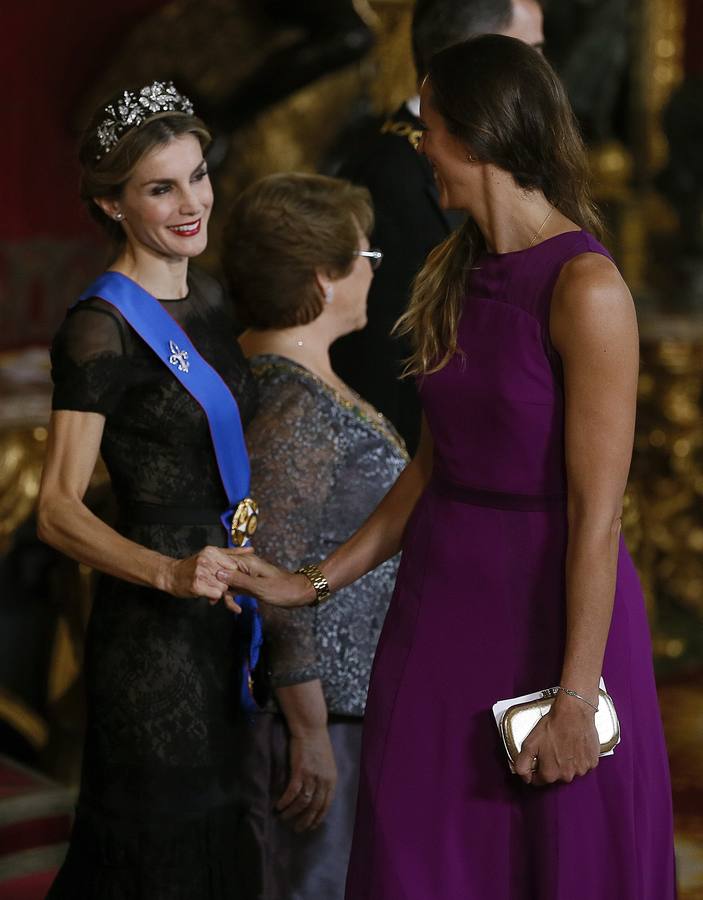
(403, 129)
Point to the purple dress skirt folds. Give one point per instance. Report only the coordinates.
(479, 614)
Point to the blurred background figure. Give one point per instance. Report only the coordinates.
(409, 219)
(297, 258)
(587, 42)
(682, 182)
(327, 35)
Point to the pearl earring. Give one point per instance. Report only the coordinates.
(118, 217)
(329, 293)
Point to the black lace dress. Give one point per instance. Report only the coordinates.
(158, 815)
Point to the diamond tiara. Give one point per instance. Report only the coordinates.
(132, 110)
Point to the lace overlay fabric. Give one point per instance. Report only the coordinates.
(163, 726)
(156, 443)
(320, 466)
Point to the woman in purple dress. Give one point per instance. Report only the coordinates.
(514, 575)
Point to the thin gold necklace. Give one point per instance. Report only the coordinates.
(541, 227)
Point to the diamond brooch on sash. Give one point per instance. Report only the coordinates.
(178, 357)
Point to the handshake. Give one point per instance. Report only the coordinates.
(220, 574)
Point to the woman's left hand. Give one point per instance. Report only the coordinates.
(562, 746)
(313, 778)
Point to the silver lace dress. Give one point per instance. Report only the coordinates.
(320, 466)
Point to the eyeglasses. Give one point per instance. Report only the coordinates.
(375, 257)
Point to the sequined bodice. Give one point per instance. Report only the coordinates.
(320, 465)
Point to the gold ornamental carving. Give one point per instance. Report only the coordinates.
(667, 482)
(658, 71)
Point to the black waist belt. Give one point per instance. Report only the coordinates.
(462, 493)
(163, 514)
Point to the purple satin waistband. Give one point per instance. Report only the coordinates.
(496, 499)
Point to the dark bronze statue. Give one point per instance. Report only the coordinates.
(682, 183)
(328, 35)
(587, 42)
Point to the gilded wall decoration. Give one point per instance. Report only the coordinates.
(667, 472)
(657, 71)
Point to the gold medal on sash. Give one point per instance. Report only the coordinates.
(244, 521)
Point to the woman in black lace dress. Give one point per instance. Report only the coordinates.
(158, 814)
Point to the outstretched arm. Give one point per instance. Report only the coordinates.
(378, 539)
(593, 326)
(65, 522)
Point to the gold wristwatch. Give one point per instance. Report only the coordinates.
(318, 581)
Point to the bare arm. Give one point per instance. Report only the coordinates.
(378, 539)
(594, 328)
(313, 771)
(65, 522)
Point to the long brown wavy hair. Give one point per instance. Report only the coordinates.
(504, 101)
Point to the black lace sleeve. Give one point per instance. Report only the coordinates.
(88, 359)
(293, 445)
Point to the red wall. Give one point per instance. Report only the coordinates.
(693, 58)
(50, 51)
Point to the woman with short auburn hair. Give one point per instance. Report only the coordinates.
(281, 232)
(299, 267)
(514, 577)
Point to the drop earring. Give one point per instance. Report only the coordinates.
(329, 293)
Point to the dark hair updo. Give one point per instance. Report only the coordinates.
(105, 173)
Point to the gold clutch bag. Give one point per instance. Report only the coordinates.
(517, 717)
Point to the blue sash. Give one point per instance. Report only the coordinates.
(175, 350)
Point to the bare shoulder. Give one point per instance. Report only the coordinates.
(590, 278)
(591, 298)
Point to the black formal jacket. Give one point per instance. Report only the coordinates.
(409, 223)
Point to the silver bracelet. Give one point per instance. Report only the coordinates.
(578, 697)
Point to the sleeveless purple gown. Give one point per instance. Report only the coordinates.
(478, 615)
